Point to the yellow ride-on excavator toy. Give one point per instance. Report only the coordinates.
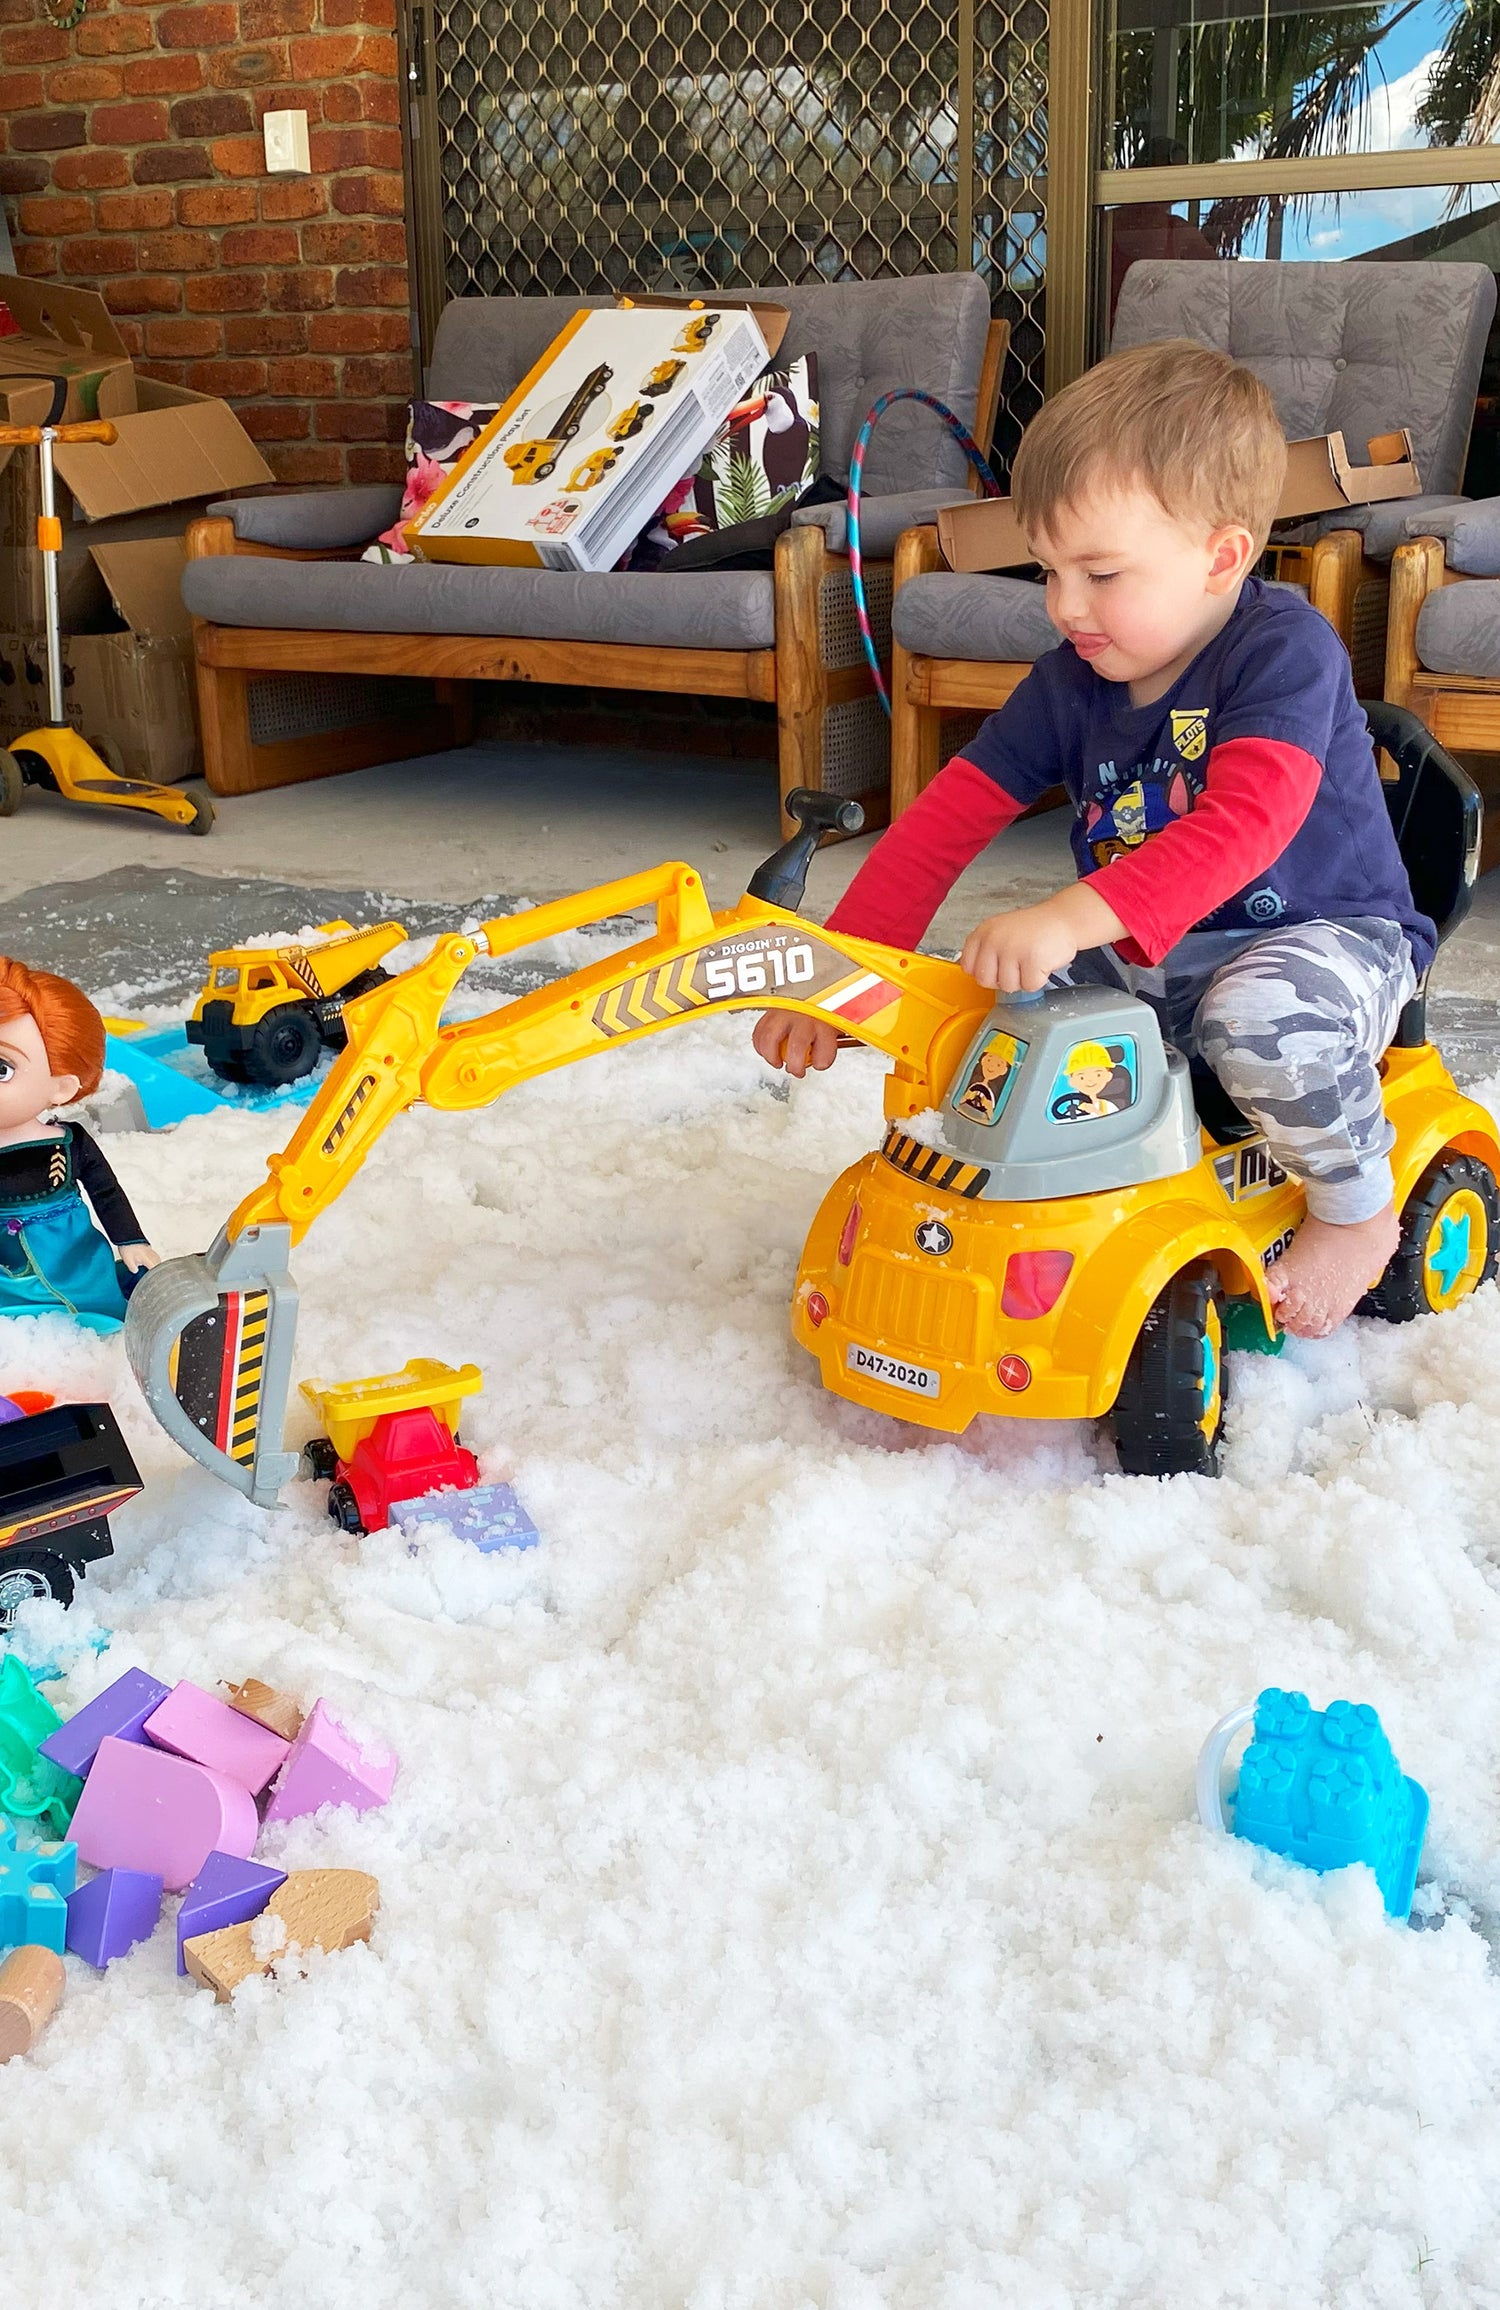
(54, 755)
(1060, 1223)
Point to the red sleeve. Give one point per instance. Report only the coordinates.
(917, 861)
(1257, 794)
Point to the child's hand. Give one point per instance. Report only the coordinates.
(1024, 948)
(788, 1039)
(138, 1256)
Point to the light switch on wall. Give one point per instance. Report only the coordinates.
(286, 143)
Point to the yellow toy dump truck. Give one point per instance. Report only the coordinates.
(1061, 1222)
(537, 460)
(267, 1012)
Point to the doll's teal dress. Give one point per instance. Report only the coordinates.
(53, 1258)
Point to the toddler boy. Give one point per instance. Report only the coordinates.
(1237, 867)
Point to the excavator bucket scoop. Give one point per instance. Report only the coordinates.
(210, 1341)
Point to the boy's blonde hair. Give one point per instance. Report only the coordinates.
(1182, 420)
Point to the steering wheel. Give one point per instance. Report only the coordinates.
(1068, 1106)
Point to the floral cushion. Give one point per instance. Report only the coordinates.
(437, 434)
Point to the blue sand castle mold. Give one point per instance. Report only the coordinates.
(1322, 1787)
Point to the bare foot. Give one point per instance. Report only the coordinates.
(1326, 1270)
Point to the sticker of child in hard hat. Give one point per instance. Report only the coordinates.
(1094, 1081)
(997, 1063)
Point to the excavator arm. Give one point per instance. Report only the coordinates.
(210, 1338)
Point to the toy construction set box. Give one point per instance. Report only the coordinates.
(621, 405)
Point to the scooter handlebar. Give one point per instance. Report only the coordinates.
(29, 436)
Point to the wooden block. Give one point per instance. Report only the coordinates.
(316, 1908)
(31, 1981)
(277, 1711)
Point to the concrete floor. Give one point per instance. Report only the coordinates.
(532, 821)
(494, 823)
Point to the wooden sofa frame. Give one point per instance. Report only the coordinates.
(1461, 710)
(801, 676)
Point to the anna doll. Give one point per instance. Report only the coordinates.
(53, 1257)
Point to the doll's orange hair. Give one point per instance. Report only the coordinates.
(69, 1025)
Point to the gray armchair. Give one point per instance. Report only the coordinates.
(1444, 643)
(1357, 348)
(274, 604)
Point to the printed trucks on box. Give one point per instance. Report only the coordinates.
(619, 408)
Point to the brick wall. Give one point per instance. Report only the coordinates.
(131, 162)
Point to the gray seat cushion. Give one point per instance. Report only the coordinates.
(945, 616)
(1458, 629)
(315, 520)
(716, 610)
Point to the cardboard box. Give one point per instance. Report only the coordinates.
(619, 408)
(132, 684)
(61, 332)
(175, 448)
(984, 533)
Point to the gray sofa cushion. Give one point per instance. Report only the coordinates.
(316, 520)
(881, 519)
(945, 616)
(719, 610)
(1355, 348)
(1384, 527)
(1458, 629)
(869, 336)
(1470, 534)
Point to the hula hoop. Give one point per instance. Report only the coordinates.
(971, 450)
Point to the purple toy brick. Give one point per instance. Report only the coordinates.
(143, 1808)
(118, 1713)
(193, 1724)
(111, 1913)
(226, 1891)
(328, 1767)
(489, 1516)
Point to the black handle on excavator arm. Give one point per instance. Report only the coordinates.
(783, 877)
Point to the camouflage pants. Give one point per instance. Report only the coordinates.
(1294, 1023)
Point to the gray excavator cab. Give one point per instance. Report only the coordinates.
(1068, 1092)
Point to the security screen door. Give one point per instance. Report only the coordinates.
(592, 147)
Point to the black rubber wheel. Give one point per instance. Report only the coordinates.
(29, 1574)
(1450, 1239)
(203, 815)
(344, 1508)
(284, 1046)
(11, 783)
(1168, 1418)
(320, 1459)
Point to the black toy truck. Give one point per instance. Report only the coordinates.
(63, 1472)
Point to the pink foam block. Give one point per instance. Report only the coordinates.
(327, 1766)
(193, 1724)
(145, 1809)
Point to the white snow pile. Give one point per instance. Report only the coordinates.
(791, 1898)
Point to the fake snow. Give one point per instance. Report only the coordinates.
(790, 1897)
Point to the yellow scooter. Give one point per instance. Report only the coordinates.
(54, 755)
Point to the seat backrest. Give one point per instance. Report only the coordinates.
(870, 337)
(1353, 348)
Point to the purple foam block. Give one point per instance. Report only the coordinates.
(226, 1891)
(117, 1714)
(488, 1516)
(327, 1766)
(143, 1808)
(193, 1724)
(111, 1913)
